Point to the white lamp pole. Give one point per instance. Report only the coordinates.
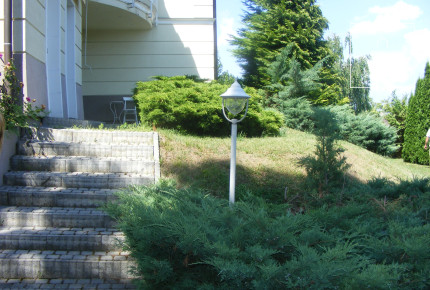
(235, 99)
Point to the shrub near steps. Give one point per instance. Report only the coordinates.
(52, 233)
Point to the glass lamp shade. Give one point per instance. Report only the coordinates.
(235, 105)
(235, 98)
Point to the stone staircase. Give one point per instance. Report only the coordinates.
(52, 234)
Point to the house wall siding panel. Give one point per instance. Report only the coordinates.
(29, 46)
(174, 47)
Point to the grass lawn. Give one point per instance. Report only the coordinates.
(265, 165)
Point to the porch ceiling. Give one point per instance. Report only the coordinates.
(116, 15)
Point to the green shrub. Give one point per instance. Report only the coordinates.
(18, 112)
(365, 130)
(195, 108)
(186, 239)
(297, 113)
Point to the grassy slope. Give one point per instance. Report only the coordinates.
(265, 164)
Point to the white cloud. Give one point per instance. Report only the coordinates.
(389, 71)
(400, 69)
(227, 27)
(387, 19)
(418, 44)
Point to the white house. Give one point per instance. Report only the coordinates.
(76, 56)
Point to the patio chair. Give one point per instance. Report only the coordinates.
(129, 112)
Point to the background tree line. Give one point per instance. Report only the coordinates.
(283, 53)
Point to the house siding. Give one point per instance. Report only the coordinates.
(118, 59)
(29, 50)
(180, 42)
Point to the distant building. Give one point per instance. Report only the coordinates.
(76, 56)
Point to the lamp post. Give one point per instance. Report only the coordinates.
(235, 99)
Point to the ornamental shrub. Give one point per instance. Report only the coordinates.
(297, 113)
(365, 130)
(16, 110)
(186, 239)
(195, 108)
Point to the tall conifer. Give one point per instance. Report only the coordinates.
(418, 122)
(271, 25)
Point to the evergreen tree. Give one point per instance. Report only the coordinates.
(395, 110)
(290, 81)
(418, 121)
(327, 167)
(271, 25)
(352, 76)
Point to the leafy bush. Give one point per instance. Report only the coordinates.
(185, 239)
(195, 107)
(298, 114)
(365, 130)
(16, 110)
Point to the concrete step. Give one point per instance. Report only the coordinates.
(65, 239)
(55, 196)
(76, 179)
(81, 164)
(95, 136)
(21, 264)
(66, 284)
(12, 216)
(53, 148)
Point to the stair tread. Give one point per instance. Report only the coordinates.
(64, 157)
(64, 254)
(58, 231)
(66, 283)
(53, 210)
(55, 190)
(99, 174)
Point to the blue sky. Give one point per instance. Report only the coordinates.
(395, 33)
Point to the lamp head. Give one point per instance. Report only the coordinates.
(235, 98)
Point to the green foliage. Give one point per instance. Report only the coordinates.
(16, 110)
(395, 111)
(352, 75)
(289, 81)
(271, 25)
(224, 77)
(186, 239)
(365, 130)
(418, 122)
(297, 114)
(195, 108)
(326, 169)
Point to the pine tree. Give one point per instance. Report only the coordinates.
(418, 122)
(396, 109)
(326, 169)
(290, 81)
(271, 25)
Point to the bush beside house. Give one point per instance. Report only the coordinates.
(194, 107)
